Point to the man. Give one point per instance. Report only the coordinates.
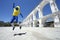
(15, 14)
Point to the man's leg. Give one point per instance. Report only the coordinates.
(17, 22)
(16, 19)
(12, 19)
(12, 22)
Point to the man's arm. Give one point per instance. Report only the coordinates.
(13, 5)
(21, 15)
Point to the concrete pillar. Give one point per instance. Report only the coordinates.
(34, 20)
(54, 8)
(26, 22)
(40, 16)
(30, 21)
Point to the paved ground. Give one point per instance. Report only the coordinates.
(6, 33)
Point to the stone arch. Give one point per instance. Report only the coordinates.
(46, 10)
(39, 8)
(53, 7)
(49, 22)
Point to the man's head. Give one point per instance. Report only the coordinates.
(17, 8)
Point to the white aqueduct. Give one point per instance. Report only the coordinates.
(31, 20)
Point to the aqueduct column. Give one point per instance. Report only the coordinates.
(40, 17)
(34, 20)
(31, 21)
(28, 24)
(54, 8)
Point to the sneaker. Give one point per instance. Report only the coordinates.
(20, 27)
(13, 26)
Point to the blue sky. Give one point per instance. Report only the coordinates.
(27, 6)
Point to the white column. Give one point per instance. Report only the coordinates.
(40, 16)
(30, 21)
(34, 20)
(54, 9)
(26, 22)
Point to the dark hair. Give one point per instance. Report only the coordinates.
(16, 8)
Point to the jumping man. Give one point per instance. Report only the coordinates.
(15, 14)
